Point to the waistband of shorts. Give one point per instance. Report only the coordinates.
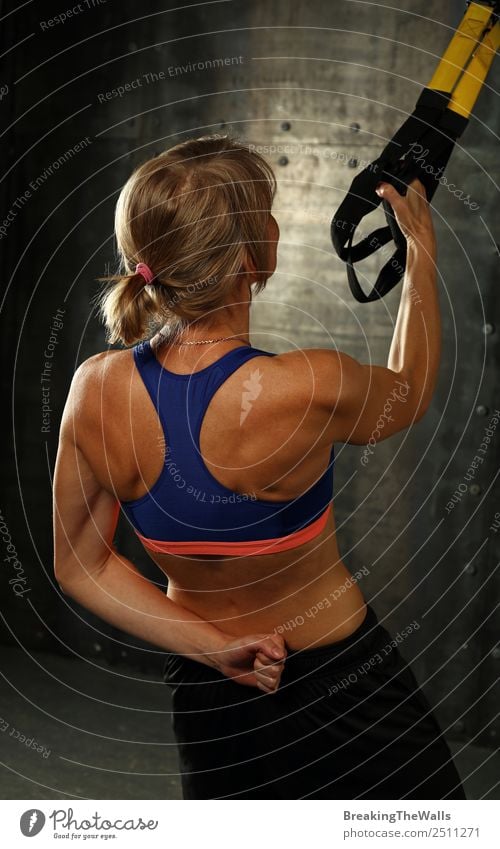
(340, 654)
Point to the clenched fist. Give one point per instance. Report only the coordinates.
(256, 660)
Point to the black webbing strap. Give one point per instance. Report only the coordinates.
(420, 148)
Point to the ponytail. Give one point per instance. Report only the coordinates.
(128, 307)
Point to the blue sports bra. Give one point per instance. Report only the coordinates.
(187, 511)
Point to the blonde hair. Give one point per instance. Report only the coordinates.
(190, 214)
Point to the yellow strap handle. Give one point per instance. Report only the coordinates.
(467, 90)
(460, 49)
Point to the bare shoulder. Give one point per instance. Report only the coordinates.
(94, 367)
(359, 399)
(317, 373)
(101, 370)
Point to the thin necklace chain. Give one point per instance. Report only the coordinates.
(207, 341)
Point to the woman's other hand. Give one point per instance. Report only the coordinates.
(256, 660)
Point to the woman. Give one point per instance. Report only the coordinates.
(221, 457)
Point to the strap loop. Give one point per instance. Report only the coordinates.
(420, 149)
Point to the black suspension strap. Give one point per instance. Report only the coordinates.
(420, 149)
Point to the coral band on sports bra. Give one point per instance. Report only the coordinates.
(187, 510)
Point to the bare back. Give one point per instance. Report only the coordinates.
(281, 448)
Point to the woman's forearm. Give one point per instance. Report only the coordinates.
(416, 344)
(120, 595)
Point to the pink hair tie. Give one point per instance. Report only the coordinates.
(142, 268)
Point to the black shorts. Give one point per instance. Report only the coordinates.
(347, 722)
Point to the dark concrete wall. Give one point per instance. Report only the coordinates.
(319, 87)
